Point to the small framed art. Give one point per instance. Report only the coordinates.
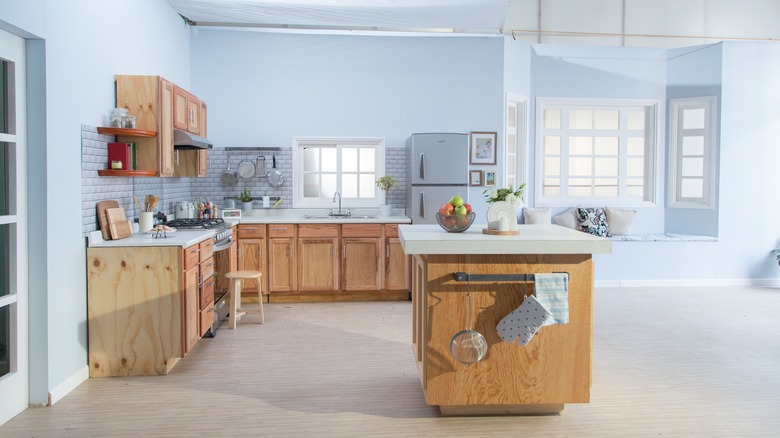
(483, 147)
(475, 178)
(490, 178)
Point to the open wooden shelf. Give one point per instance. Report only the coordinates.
(126, 131)
(109, 172)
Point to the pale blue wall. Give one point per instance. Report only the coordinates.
(84, 44)
(694, 72)
(262, 89)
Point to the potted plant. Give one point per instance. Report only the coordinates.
(776, 252)
(246, 199)
(386, 183)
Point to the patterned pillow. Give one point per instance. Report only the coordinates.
(593, 221)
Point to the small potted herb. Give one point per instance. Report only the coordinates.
(246, 199)
(386, 183)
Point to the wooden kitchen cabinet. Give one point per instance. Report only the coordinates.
(144, 308)
(159, 107)
(318, 262)
(396, 262)
(361, 268)
(251, 254)
(150, 99)
(206, 283)
(281, 258)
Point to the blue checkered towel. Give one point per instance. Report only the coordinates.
(552, 292)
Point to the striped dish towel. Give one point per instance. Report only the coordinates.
(552, 291)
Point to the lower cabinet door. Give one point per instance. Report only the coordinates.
(281, 265)
(396, 265)
(361, 267)
(251, 255)
(318, 264)
(191, 309)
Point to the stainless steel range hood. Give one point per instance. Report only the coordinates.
(188, 140)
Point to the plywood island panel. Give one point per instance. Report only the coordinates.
(554, 368)
(135, 310)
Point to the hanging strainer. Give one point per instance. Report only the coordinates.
(468, 346)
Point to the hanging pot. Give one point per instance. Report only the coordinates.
(275, 177)
(468, 346)
(247, 168)
(228, 177)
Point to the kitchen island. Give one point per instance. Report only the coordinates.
(554, 368)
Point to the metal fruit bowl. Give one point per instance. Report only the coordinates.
(455, 223)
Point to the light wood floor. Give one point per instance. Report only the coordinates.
(667, 362)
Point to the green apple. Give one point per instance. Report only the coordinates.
(460, 210)
(456, 201)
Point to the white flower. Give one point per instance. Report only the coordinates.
(512, 199)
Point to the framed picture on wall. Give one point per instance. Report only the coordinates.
(475, 178)
(483, 147)
(490, 178)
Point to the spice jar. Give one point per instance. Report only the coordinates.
(116, 119)
(128, 121)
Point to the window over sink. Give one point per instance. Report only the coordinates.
(350, 166)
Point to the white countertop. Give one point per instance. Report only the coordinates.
(295, 216)
(178, 238)
(532, 239)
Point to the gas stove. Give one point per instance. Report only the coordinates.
(223, 236)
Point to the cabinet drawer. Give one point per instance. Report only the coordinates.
(281, 230)
(206, 249)
(207, 269)
(207, 293)
(191, 256)
(391, 230)
(318, 230)
(361, 230)
(206, 319)
(251, 231)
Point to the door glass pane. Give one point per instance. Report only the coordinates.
(511, 116)
(4, 106)
(5, 340)
(552, 119)
(581, 145)
(581, 119)
(692, 188)
(636, 120)
(693, 118)
(693, 145)
(607, 119)
(5, 259)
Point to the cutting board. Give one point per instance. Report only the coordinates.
(101, 208)
(118, 224)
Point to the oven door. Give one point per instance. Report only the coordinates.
(225, 260)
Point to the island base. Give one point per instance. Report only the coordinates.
(465, 410)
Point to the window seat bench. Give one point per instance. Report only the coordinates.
(663, 237)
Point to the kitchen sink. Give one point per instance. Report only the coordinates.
(328, 217)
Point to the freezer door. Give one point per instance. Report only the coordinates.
(427, 199)
(440, 158)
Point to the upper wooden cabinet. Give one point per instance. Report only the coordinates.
(160, 106)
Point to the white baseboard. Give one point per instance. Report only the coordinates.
(703, 282)
(68, 385)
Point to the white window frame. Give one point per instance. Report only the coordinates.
(650, 154)
(676, 132)
(299, 143)
(520, 131)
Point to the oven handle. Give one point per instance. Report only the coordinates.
(224, 245)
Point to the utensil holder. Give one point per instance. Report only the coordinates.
(145, 221)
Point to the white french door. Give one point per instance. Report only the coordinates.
(14, 344)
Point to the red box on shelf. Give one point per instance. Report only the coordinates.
(119, 152)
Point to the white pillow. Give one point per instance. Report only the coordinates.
(568, 219)
(620, 220)
(537, 215)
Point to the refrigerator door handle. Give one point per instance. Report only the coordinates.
(422, 204)
(422, 166)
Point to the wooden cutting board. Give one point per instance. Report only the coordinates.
(101, 208)
(118, 224)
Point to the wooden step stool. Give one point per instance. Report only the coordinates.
(235, 295)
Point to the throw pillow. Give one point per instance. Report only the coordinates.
(620, 221)
(568, 219)
(537, 215)
(593, 221)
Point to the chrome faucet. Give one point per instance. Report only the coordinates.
(339, 213)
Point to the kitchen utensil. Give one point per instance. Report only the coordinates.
(145, 221)
(228, 177)
(118, 224)
(468, 346)
(246, 168)
(277, 203)
(275, 177)
(101, 208)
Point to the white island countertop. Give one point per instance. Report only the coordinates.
(532, 239)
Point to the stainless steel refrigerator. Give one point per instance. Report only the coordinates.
(438, 169)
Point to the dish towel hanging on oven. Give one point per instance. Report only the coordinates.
(552, 292)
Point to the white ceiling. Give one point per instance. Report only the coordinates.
(474, 16)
